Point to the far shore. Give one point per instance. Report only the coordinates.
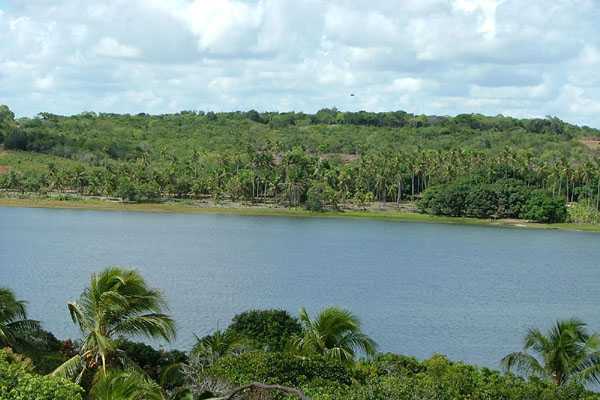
(381, 212)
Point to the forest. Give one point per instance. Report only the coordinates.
(540, 169)
(262, 354)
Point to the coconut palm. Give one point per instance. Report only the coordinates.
(14, 324)
(566, 353)
(335, 333)
(219, 344)
(126, 385)
(118, 303)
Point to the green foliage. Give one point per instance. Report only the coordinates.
(19, 382)
(211, 348)
(568, 353)
(334, 333)
(118, 302)
(542, 207)
(503, 199)
(447, 199)
(512, 196)
(320, 196)
(279, 368)
(266, 329)
(438, 378)
(15, 327)
(481, 202)
(318, 161)
(583, 213)
(154, 362)
(126, 385)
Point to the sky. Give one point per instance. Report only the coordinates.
(524, 58)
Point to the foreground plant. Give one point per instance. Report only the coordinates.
(15, 327)
(220, 344)
(567, 353)
(335, 333)
(118, 303)
(126, 385)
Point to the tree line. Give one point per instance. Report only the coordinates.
(326, 356)
(329, 159)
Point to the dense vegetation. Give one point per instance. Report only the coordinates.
(330, 159)
(326, 357)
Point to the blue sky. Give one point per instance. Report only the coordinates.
(513, 57)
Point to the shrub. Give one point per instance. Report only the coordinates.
(542, 207)
(153, 362)
(438, 378)
(583, 213)
(279, 368)
(18, 382)
(319, 196)
(512, 196)
(447, 199)
(481, 202)
(267, 329)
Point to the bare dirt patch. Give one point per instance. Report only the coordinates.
(591, 143)
(4, 169)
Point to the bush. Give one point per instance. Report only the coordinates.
(512, 196)
(319, 196)
(504, 199)
(279, 368)
(447, 199)
(481, 202)
(267, 329)
(18, 382)
(542, 207)
(153, 362)
(438, 378)
(583, 213)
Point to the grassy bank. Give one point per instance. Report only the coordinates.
(264, 210)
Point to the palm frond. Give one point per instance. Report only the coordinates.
(523, 363)
(150, 325)
(70, 369)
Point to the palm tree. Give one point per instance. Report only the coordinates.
(566, 353)
(118, 303)
(14, 325)
(219, 344)
(335, 333)
(126, 385)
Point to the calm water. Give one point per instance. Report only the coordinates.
(465, 291)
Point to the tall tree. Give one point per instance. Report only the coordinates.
(117, 303)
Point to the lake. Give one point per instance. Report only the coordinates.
(469, 292)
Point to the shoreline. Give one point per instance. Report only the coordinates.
(263, 210)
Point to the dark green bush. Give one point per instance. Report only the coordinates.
(279, 368)
(447, 199)
(481, 202)
(267, 329)
(542, 207)
(503, 199)
(153, 362)
(512, 196)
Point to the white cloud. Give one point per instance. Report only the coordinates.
(110, 47)
(426, 56)
(44, 82)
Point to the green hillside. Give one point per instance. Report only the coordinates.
(329, 159)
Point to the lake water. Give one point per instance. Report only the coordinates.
(469, 292)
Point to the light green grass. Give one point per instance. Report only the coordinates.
(187, 207)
